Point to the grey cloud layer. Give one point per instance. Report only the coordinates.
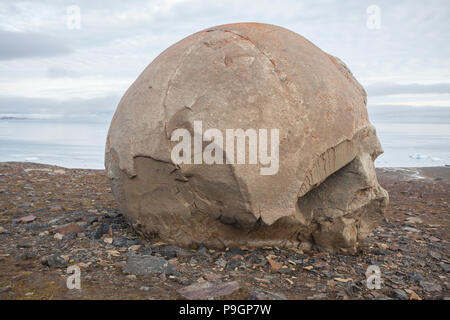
(407, 114)
(117, 39)
(75, 108)
(28, 45)
(384, 89)
(59, 72)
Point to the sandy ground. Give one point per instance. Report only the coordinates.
(52, 218)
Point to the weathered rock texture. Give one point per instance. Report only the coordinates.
(248, 75)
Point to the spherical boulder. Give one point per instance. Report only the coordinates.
(305, 172)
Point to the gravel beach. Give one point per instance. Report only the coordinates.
(52, 218)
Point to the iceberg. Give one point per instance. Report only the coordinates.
(419, 156)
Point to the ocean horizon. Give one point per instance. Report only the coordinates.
(410, 136)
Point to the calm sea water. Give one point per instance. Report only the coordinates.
(410, 137)
(67, 144)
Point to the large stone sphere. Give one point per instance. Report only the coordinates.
(323, 190)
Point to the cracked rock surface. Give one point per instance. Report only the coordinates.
(257, 76)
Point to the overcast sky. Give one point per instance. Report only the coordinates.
(48, 66)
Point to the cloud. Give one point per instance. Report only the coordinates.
(408, 114)
(63, 89)
(94, 109)
(30, 45)
(58, 72)
(384, 89)
(118, 41)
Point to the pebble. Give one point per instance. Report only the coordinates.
(414, 220)
(430, 286)
(208, 290)
(413, 295)
(113, 253)
(415, 276)
(123, 242)
(145, 264)
(27, 219)
(257, 294)
(54, 261)
(445, 267)
(172, 251)
(134, 247)
(409, 229)
(70, 236)
(221, 262)
(58, 236)
(319, 296)
(400, 294)
(91, 221)
(54, 208)
(275, 266)
(69, 228)
(100, 231)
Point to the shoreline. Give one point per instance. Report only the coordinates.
(74, 168)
